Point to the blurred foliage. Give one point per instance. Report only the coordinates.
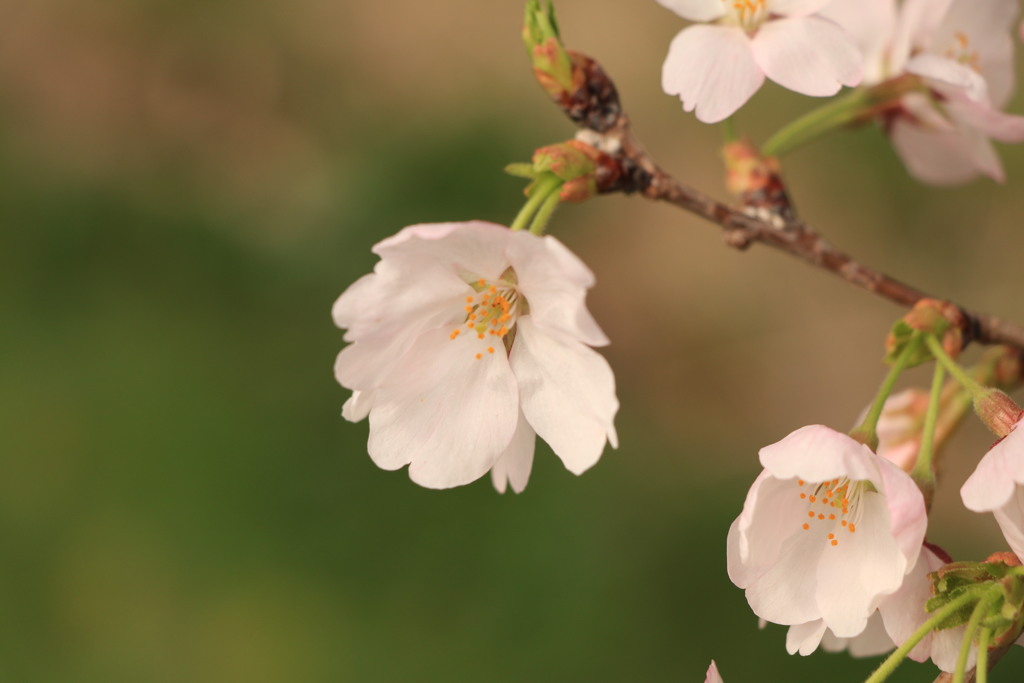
(186, 187)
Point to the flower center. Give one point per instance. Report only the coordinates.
(491, 313)
(747, 14)
(960, 51)
(832, 506)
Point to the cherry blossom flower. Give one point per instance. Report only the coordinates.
(467, 340)
(962, 50)
(827, 530)
(995, 486)
(712, 676)
(715, 69)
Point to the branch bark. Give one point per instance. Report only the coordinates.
(597, 109)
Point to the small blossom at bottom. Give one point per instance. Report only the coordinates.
(466, 342)
(827, 530)
(712, 675)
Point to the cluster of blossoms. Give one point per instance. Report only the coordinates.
(470, 339)
(934, 73)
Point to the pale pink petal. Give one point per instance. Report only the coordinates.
(696, 10)
(447, 413)
(514, 465)
(357, 406)
(863, 566)
(871, 24)
(986, 120)
(567, 393)
(809, 55)
(555, 282)
(997, 476)
(916, 25)
(471, 249)
(938, 158)
(981, 29)
(712, 676)
(949, 72)
(906, 516)
(818, 453)
(796, 8)
(1010, 518)
(870, 642)
(785, 592)
(712, 70)
(772, 509)
(805, 638)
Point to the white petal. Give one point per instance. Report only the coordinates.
(1010, 518)
(916, 26)
(872, 641)
(772, 512)
(906, 514)
(986, 120)
(555, 281)
(357, 406)
(862, 567)
(998, 475)
(818, 453)
(796, 8)
(804, 638)
(871, 24)
(712, 69)
(567, 393)
(986, 26)
(514, 465)
(951, 73)
(475, 246)
(785, 592)
(808, 55)
(904, 611)
(712, 676)
(936, 157)
(444, 411)
(696, 10)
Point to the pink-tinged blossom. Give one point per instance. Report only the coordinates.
(466, 342)
(962, 50)
(996, 487)
(827, 531)
(716, 68)
(712, 676)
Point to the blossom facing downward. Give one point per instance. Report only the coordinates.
(962, 52)
(715, 69)
(995, 486)
(827, 530)
(466, 342)
(712, 676)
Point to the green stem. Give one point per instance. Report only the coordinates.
(972, 626)
(968, 383)
(923, 472)
(982, 666)
(728, 131)
(837, 113)
(540, 221)
(543, 187)
(886, 668)
(867, 429)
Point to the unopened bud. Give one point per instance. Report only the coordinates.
(584, 170)
(999, 412)
(755, 179)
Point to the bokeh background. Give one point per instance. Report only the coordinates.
(186, 187)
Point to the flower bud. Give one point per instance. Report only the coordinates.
(999, 412)
(756, 179)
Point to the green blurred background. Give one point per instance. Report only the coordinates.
(186, 187)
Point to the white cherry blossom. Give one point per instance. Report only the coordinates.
(712, 676)
(715, 69)
(963, 52)
(466, 342)
(996, 487)
(827, 531)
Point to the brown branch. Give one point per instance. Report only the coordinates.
(596, 107)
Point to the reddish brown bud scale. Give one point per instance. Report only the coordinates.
(756, 179)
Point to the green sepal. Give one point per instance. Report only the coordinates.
(521, 170)
(900, 335)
